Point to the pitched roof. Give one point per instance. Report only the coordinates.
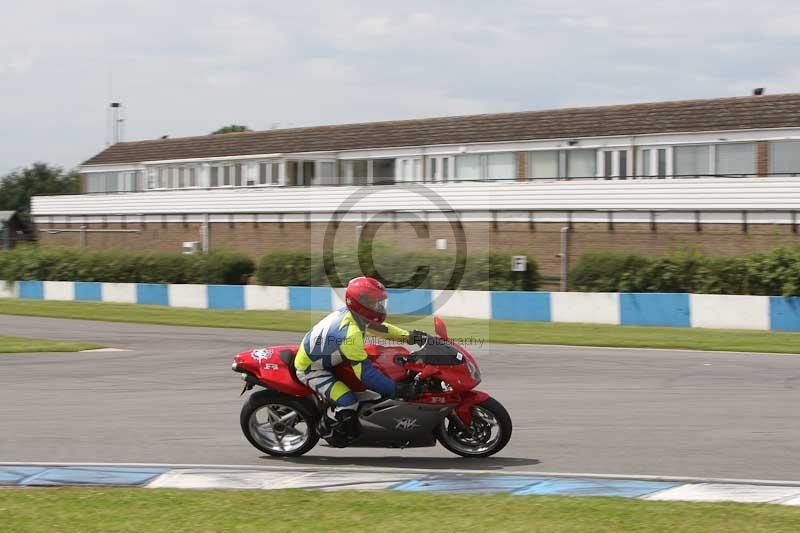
(748, 112)
(5, 216)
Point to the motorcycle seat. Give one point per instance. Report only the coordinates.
(287, 356)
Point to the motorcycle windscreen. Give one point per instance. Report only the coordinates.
(439, 352)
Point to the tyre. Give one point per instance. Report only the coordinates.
(489, 432)
(279, 425)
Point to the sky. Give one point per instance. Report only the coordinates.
(184, 67)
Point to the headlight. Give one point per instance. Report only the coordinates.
(473, 371)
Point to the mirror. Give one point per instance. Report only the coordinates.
(439, 327)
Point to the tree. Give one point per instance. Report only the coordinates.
(233, 128)
(17, 187)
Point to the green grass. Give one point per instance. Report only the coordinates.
(21, 345)
(89, 510)
(498, 331)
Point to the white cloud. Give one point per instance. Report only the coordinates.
(184, 68)
(373, 26)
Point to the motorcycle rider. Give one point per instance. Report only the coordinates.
(339, 337)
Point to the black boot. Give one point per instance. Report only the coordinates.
(341, 430)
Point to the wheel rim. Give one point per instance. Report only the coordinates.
(279, 428)
(482, 436)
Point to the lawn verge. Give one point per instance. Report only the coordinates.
(22, 345)
(117, 509)
(497, 331)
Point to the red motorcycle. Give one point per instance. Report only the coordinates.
(283, 419)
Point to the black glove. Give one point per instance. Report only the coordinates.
(408, 390)
(417, 337)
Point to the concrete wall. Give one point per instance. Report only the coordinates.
(642, 309)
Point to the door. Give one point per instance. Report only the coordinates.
(614, 164)
(440, 169)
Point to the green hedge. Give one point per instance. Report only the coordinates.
(67, 264)
(399, 269)
(774, 273)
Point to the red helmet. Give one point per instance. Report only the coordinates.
(366, 297)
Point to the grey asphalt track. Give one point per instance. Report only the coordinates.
(173, 399)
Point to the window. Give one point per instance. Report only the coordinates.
(581, 163)
(655, 162)
(661, 162)
(269, 173)
(128, 181)
(408, 169)
(309, 172)
(645, 158)
(327, 173)
(784, 157)
(383, 171)
(736, 159)
(544, 165)
(275, 176)
(227, 175)
(356, 171)
(292, 173)
(608, 164)
(622, 163)
(103, 182)
(500, 166)
(93, 182)
(553, 164)
(468, 167)
(692, 160)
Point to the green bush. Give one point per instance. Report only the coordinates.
(67, 264)
(290, 268)
(774, 273)
(399, 269)
(608, 272)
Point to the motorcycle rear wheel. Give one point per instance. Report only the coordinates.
(489, 432)
(279, 425)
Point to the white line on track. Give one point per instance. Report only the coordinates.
(688, 350)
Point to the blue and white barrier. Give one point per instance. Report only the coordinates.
(633, 309)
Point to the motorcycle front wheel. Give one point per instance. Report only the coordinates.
(489, 432)
(279, 425)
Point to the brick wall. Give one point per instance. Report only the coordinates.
(762, 158)
(522, 166)
(541, 240)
